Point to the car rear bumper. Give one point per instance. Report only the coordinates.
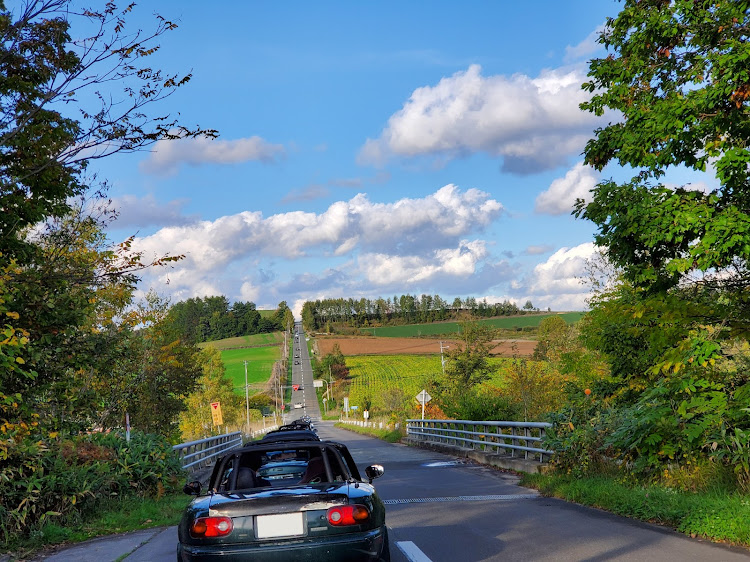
(369, 546)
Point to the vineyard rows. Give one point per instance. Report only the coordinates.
(376, 376)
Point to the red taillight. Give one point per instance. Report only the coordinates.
(204, 527)
(348, 515)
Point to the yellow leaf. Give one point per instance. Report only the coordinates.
(572, 427)
(53, 434)
(20, 361)
(13, 315)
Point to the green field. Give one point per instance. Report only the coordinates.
(259, 367)
(376, 375)
(447, 328)
(274, 338)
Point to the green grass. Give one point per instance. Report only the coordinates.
(448, 328)
(256, 340)
(114, 516)
(716, 515)
(259, 367)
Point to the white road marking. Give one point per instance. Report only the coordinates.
(501, 497)
(412, 552)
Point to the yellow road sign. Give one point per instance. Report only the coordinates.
(216, 413)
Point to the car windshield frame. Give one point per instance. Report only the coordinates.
(337, 463)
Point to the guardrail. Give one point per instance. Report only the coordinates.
(373, 424)
(518, 439)
(195, 453)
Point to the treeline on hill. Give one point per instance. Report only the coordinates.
(212, 318)
(404, 309)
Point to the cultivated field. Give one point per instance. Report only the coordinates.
(256, 340)
(365, 345)
(386, 380)
(447, 328)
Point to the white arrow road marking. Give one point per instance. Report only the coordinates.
(412, 552)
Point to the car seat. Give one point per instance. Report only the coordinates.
(315, 471)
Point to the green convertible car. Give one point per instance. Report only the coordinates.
(285, 500)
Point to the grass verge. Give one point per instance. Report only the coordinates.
(113, 517)
(390, 435)
(716, 516)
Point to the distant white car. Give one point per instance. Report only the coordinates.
(297, 405)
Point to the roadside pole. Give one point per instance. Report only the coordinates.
(247, 401)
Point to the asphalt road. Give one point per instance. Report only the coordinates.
(443, 509)
(302, 378)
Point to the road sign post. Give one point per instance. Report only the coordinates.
(423, 397)
(247, 401)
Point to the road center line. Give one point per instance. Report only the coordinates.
(412, 552)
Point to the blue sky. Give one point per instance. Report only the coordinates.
(370, 149)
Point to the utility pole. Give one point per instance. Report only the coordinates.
(247, 400)
(442, 361)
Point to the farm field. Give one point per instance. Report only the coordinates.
(447, 328)
(385, 378)
(352, 346)
(260, 364)
(256, 340)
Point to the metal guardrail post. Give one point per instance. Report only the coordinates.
(526, 442)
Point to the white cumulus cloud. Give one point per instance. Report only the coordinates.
(387, 270)
(410, 238)
(249, 292)
(532, 123)
(559, 281)
(563, 192)
(168, 155)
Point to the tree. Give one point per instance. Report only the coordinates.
(64, 102)
(677, 78)
(68, 301)
(335, 364)
(47, 133)
(213, 386)
(161, 372)
(535, 388)
(468, 363)
(677, 74)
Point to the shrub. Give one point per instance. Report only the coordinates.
(579, 433)
(479, 404)
(52, 478)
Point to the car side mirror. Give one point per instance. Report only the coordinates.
(374, 471)
(192, 488)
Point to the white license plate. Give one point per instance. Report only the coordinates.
(279, 525)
